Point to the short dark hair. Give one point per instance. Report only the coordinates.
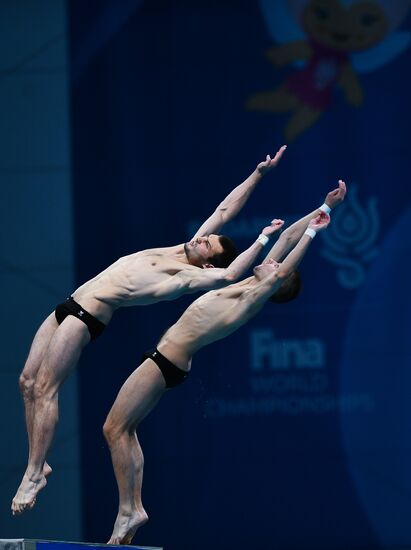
(288, 290)
(230, 252)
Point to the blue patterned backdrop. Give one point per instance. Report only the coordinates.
(295, 431)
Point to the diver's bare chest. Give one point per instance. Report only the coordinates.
(150, 268)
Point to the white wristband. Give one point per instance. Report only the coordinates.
(325, 208)
(310, 232)
(263, 239)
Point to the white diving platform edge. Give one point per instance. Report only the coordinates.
(39, 544)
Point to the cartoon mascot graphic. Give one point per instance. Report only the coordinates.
(329, 42)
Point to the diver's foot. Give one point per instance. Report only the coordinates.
(47, 469)
(26, 495)
(126, 526)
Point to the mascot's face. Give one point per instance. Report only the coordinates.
(347, 29)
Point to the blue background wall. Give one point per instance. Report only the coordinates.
(294, 432)
(36, 249)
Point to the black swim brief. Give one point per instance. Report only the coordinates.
(70, 307)
(172, 374)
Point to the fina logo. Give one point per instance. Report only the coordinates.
(350, 239)
(269, 353)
